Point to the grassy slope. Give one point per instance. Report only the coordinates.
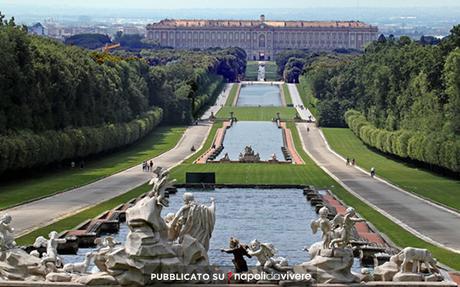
(231, 96)
(419, 181)
(257, 113)
(287, 94)
(308, 99)
(161, 140)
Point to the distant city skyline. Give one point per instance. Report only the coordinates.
(222, 4)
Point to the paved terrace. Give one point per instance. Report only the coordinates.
(423, 218)
(30, 216)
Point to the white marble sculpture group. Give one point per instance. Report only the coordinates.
(179, 243)
(176, 244)
(332, 258)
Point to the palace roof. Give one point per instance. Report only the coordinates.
(183, 23)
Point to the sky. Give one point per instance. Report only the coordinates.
(221, 4)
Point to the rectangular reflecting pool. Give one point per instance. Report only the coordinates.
(264, 137)
(259, 95)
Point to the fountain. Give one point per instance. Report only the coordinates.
(179, 244)
(249, 155)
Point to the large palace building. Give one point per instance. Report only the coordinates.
(262, 39)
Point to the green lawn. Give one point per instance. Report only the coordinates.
(308, 99)
(287, 94)
(251, 71)
(427, 184)
(45, 184)
(74, 220)
(257, 113)
(232, 95)
(271, 71)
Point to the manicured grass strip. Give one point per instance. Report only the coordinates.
(287, 94)
(308, 99)
(232, 95)
(76, 219)
(48, 183)
(257, 113)
(419, 181)
(271, 71)
(251, 71)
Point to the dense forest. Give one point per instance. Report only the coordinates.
(405, 97)
(60, 102)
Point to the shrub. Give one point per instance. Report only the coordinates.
(430, 148)
(27, 149)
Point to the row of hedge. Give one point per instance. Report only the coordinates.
(27, 149)
(208, 93)
(430, 148)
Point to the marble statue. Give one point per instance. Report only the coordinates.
(331, 259)
(195, 220)
(266, 260)
(406, 266)
(347, 225)
(104, 247)
(417, 257)
(176, 244)
(226, 157)
(15, 263)
(273, 158)
(6, 233)
(51, 255)
(173, 230)
(239, 251)
(160, 182)
(325, 225)
(79, 267)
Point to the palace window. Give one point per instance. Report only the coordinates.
(262, 41)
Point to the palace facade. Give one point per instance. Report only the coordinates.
(262, 39)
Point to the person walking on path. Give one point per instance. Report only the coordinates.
(372, 172)
(151, 165)
(348, 161)
(353, 161)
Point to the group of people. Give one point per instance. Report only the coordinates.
(147, 166)
(351, 162)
